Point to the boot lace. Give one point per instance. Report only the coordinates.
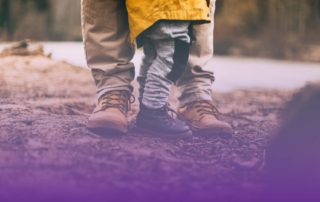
(204, 108)
(171, 112)
(121, 100)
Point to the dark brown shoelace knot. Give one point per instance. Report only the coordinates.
(121, 100)
(205, 108)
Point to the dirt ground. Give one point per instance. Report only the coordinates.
(46, 151)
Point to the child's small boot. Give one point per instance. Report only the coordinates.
(161, 123)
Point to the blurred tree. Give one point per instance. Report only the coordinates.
(269, 28)
(66, 19)
(289, 15)
(42, 4)
(40, 19)
(30, 19)
(315, 5)
(239, 15)
(5, 27)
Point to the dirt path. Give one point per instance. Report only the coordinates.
(45, 149)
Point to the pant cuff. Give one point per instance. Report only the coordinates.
(195, 97)
(102, 92)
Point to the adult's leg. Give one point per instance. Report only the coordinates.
(196, 83)
(196, 104)
(108, 51)
(106, 39)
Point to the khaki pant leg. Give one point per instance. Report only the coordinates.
(196, 83)
(106, 39)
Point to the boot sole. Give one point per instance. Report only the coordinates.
(108, 132)
(187, 134)
(210, 132)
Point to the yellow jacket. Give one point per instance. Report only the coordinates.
(144, 13)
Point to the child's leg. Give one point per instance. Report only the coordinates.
(164, 37)
(162, 65)
(149, 55)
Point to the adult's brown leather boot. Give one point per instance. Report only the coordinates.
(110, 115)
(202, 118)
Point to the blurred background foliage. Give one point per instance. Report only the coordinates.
(269, 28)
(284, 29)
(56, 20)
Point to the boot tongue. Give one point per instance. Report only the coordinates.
(114, 99)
